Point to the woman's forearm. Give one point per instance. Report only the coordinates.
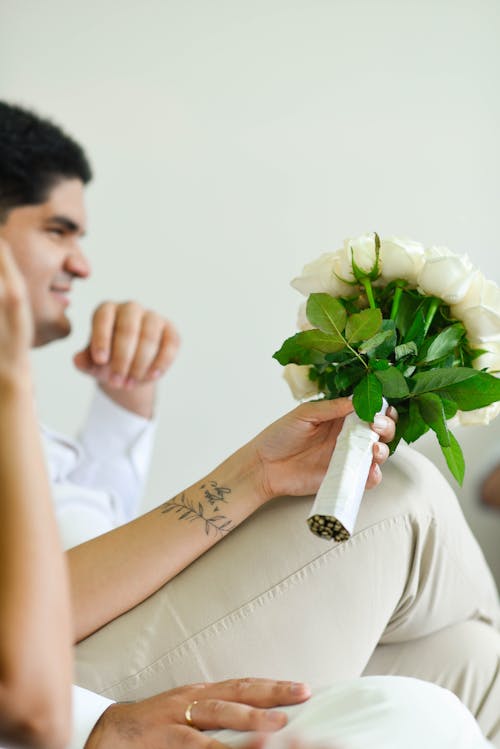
(114, 572)
(35, 629)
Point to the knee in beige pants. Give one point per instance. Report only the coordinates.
(464, 658)
(273, 600)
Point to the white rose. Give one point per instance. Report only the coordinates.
(362, 250)
(302, 321)
(491, 359)
(480, 310)
(479, 415)
(401, 258)
(445, 275)
(297, 377)
(322, 276)
(491, 362)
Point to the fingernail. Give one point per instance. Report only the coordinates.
(381, 422)
(298, 688)
(156, 373)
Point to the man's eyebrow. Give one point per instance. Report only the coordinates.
(66, 223)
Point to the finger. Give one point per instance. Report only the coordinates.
(325, 410)
(101, 334)
(212, 713)
(84, 362)
(374, 476)
(392, 413)
(125, 340)
(380, 453)
(148, 344)
(183, 737)
(259, 692)
(384, 427)
(167, 352)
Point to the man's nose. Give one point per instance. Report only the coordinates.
(77, 263)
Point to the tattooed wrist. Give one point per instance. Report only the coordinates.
(205, 508)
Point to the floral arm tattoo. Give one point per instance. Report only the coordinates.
(207, 509)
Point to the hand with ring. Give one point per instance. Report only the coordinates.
(178, 718)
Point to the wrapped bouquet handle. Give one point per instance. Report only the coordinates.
(337, 502)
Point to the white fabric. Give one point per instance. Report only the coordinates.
(375, 712)
(87, 709)
(98, 479)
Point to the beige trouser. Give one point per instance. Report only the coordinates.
(409, 594)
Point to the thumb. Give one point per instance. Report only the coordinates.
(316, 412)
(83, 360)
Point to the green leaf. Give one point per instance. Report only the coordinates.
(432, 412)
(347, 378)
(401, 427)
(374, 342)
(444, 343)
(363, 325)
(416, 331)
(450, 407)
(326, 313)
(408, 306)
(416, 425)
(308, 347)
(408, 371)
(438, 379)
(478, 391)
(367, 397)
(393, 383)
(455, 459)
(340, 357)
(379, 364)
(405, 349)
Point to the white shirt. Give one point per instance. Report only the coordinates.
(98, 479)
(97, 483)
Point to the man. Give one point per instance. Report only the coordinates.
(42, 217)
(412, 580)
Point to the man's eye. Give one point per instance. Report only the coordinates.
(55, 231)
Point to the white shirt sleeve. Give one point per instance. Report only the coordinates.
(98, 479)
(87, 709)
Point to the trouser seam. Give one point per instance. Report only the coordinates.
(264, 597)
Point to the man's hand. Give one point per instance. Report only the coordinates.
(160, 722)
(294, 452)
(129, 349)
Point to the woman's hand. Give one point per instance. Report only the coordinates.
(294, 452)
(162, 721)
(16, 326)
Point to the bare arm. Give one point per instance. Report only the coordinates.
(35, 642)
(114, 572)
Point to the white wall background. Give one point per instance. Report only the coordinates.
(233, 141)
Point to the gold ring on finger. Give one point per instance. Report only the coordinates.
(187, 714)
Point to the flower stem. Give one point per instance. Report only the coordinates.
(369, 292)
(365, 365)
(431, 311)
(398, 292)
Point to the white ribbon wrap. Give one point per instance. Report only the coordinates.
(336, 507)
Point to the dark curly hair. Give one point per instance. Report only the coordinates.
(34, 155)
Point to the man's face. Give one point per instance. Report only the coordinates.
(45, 241)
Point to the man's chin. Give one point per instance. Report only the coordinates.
(48, 332)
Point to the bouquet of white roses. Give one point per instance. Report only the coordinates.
(389, 321)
